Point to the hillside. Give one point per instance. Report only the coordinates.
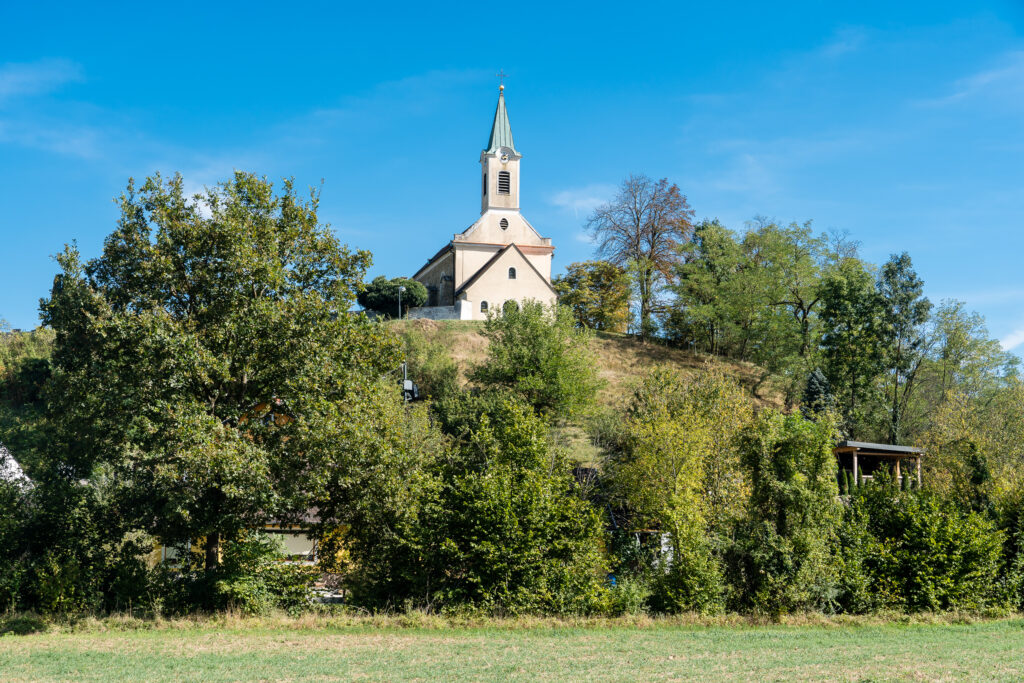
(622, 359)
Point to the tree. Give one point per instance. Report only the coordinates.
(382, 295)
(817, 397)
(540, 355)
(703, 287)
(678, 472)
(491, 520)
(904, 314)
(641, 228)
(187, 353)
(786, 556)
(852, 341)
(598, 294)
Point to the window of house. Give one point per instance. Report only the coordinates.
(503, 223)
(511, 273)
(504, 182)
(483, 306)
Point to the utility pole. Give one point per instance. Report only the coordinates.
(400, 290)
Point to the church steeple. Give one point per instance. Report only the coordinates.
(500, 163)
(501, 131)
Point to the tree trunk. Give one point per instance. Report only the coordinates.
(212, 550)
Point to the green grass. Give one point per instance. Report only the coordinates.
(311, 649)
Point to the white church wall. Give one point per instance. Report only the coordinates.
(495, 287)
(488, 229)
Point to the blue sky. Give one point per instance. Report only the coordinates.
(898, 122)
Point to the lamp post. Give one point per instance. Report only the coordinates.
(400, 290)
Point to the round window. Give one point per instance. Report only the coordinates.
(504, 224)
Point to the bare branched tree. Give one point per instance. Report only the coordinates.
(642, 229)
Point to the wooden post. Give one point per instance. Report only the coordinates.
(899, 479)
(919, 471)
(856, 476)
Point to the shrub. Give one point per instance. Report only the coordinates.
(785, 558)
(924, 553)
(382, 295)
(252, 578)
(538, 354)
(630, 595)
(493, 524)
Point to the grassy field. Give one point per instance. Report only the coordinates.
(321, 650)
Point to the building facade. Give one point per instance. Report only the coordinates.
(499, 260)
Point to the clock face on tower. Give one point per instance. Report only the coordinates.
(506, 154)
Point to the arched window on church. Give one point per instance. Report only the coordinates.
(483, 306)
(485, 184)
(510, 306)
(503, 223)
(504, 182)
(511, 273)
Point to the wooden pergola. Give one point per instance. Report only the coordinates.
(866, 458)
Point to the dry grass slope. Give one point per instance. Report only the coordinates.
(621, 359)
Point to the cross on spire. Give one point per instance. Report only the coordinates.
(501, 78)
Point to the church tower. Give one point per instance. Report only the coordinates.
(500, 164)
(500, 260)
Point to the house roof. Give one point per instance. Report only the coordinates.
(444, 250)
(483, 269)
(501, 130)
(880, 448)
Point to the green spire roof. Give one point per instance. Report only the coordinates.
(501, 131)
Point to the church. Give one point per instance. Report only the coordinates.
(500, 260)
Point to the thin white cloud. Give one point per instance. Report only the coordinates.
(61, 138)
(36, 78)
(582, 200)
(1004, 81)
(1013, 339)
(845, 40)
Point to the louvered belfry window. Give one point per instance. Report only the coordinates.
(503, 223)
(504, 182)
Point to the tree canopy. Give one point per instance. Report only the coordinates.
(186, 353)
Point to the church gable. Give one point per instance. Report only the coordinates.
(508, 276)
(503, 227)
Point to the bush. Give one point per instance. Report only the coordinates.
(785, 558)
(538, 354)
(252, 578)
(630, 595)
(382, 295)
(494, 524)
(923, 553)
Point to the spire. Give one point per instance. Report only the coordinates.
(501, 131)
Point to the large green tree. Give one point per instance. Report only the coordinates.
(598, 294)
(186, 353)
(904, 314)
(852, 343)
